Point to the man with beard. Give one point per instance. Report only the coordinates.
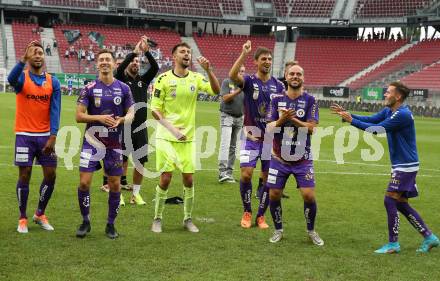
(292, 118)
(174, 106)
(105, 105)
(128, 72)
(257, 89)
(397, 121)
(37, 120)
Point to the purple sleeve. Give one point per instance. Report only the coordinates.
(247, 84)
(128, 100)
(312, 111)
(84, 96)
(272, 114)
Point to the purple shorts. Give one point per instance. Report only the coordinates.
(279, 173)
(403, 182)
(250, 151)
(90, 160)
(29, 147)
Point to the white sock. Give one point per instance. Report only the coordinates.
(136, 189)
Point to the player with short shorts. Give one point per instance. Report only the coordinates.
(37, 120)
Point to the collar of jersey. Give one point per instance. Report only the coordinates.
(172, 71)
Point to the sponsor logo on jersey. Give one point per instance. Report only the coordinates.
(97, 91)
(38, 97)
(117, 100)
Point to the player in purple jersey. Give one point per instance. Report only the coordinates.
(292, 119)
(258, 89)
(398, 123)
(105, 105)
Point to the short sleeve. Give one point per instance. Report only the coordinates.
(312, 111)
(84, 96)
(128, 98)
(247, 84)
(158, 97)
(226, 88)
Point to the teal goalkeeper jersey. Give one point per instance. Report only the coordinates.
(176, 97)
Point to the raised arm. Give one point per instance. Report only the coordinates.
(234, 72)
(121, 68)
(213, 81)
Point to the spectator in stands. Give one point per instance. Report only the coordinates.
(382, 35)
(83, 54)
(231, 122)
(199, 32)
(48, 51)
(88, 57)
(67, 54)
(392, 37)
(230, 32)
(72, 51)
(118, 62)
(369, 37)
(224, 31)
(55, 43)
(399, 36)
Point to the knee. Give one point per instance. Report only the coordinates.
(84, 186)
(188, 181)
(24, 178)
(246, 176)
(50, 177)
(309, 198)
(165, 180)
(114, 184)
(275, 194)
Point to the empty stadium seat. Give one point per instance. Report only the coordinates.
(328, 62)
(222, 51)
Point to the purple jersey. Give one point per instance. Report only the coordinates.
(257, 95)
(100, 99)
(291, 144)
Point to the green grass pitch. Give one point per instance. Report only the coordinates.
(351, 219)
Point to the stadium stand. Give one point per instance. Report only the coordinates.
(193, 7)
(427, 78)
(304, 8)
(222, 51)
(328, 62)
(389, 8)
(24, 33)
(423, 53)
(87, 4)
(118, 36)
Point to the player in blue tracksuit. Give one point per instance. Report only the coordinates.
(398, 123)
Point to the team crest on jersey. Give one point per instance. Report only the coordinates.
(256, 91)
(300, 113)
(97, 101)
(117, 100)
(140, 84)
(262, 109)
(192, 88)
